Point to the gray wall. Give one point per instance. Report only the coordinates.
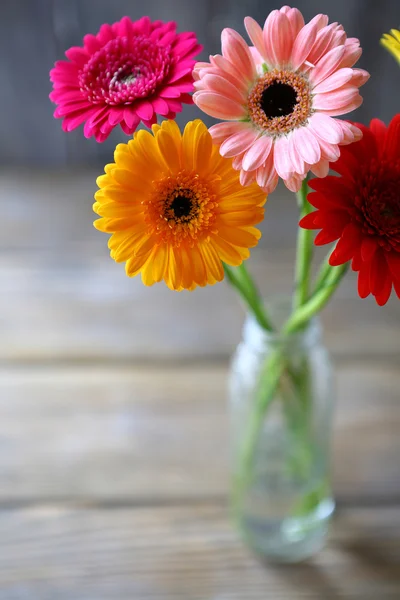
(35, 33)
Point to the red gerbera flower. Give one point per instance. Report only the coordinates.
(127, 73)
(361, 209)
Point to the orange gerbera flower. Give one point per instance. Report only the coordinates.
(175, 207)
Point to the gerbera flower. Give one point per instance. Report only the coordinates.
(361, 209)
(127, 73)
(176, 208)
(278, 98)
(391, 41)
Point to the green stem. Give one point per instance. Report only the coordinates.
(323, 273)
(304, 251)
(267, 385)
(303, 314)
(241, 279)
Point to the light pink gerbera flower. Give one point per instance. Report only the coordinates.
(127, 73)
(278, 98)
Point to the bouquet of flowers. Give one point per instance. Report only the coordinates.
(183, 208)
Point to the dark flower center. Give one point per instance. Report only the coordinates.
(278, 100)
(182, 206)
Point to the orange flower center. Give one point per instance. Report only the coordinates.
(181, 209)
(280, 101)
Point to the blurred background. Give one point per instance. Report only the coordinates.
(113, 426)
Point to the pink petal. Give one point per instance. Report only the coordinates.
(257, 58)
(346, 108)
(178, 72)
(321, 44)
(160, 106)
(326, 128)
(105, 33)
(237, 162)
(220, 85)
(221, 131)
(67, 109)
(115, 115)
(144, 110)
(235, 49)
(352, 53)
(359, 77)
(241, 85)
(327, 65)
(130, 117)
(335, 99)
(92, 43)
(246, 178)
(293, 182)
(350, 132)
(321, 169)
(236, 78)
(266, 176)
(334, 81)
(77, 55)
(72, 122)
(170, 91)
(218, 106)
(307, 145)
(329, 151)
(295, 19)
(238, 143)
(303, 44)
(282, 162)
(255, 33)
(297, 161)
(257, 154)
(278, 39)
(320, 20)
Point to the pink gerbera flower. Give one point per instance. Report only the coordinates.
(278, 98)
(127, 73)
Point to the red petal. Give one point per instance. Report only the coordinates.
(348, 164)
(363, 281)
(393, 261)
(368, 247)
(357, 262)
(331, 190)
(308, 222)
(392, 146)
(396, 285)
(347, 246)
(383, 296)
(379, 273)
(379, 130)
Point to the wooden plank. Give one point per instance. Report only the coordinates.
(142, 434)
(64, 298)
(187, 553)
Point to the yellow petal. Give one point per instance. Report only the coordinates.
(212, 261)
(160, 262)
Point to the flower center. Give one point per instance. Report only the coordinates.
(181, 206)
(182, 209)
(279, 102)
(378, 201)
(124, 70)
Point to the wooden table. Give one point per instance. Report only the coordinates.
(113, 424)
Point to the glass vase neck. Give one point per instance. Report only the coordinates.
(279, 310)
